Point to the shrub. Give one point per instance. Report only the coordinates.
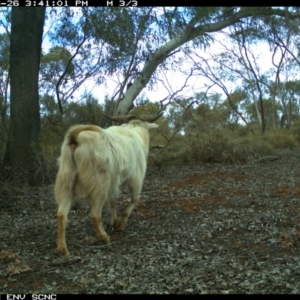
(281, 138)
(216, 146)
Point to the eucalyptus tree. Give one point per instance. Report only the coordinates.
(25, 48)
(290, 91)
(90, 43)
(283, 40)
(54, 63)
(282, 35)
(4, 76)
(269, 111)
(4, 84)
(135, 45)
(179, 29)
(74, 57)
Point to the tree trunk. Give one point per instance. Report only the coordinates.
(25, 49)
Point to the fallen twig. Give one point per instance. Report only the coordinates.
(265, 158)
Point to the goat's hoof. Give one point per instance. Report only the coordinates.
(119, 225)
(105, 239)
(63, 251)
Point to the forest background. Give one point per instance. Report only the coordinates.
(225, 78)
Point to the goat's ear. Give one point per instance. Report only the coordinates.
(152, 125)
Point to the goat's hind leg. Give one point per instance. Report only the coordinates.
(64, 200)
(96, 214)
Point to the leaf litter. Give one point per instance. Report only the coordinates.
(201, 228)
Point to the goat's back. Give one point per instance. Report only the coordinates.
(92, 156)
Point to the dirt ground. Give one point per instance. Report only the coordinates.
(202, 228)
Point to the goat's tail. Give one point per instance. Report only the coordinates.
(77, 153)
(73, 132)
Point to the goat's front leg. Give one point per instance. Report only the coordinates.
(113, 211)
(135, 187)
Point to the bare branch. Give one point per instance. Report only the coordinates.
(212, 76)
(65, 72)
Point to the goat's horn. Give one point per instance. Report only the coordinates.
(148, 118)
(127, 118)
(121, 118)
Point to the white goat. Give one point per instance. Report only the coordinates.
(94, 162)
